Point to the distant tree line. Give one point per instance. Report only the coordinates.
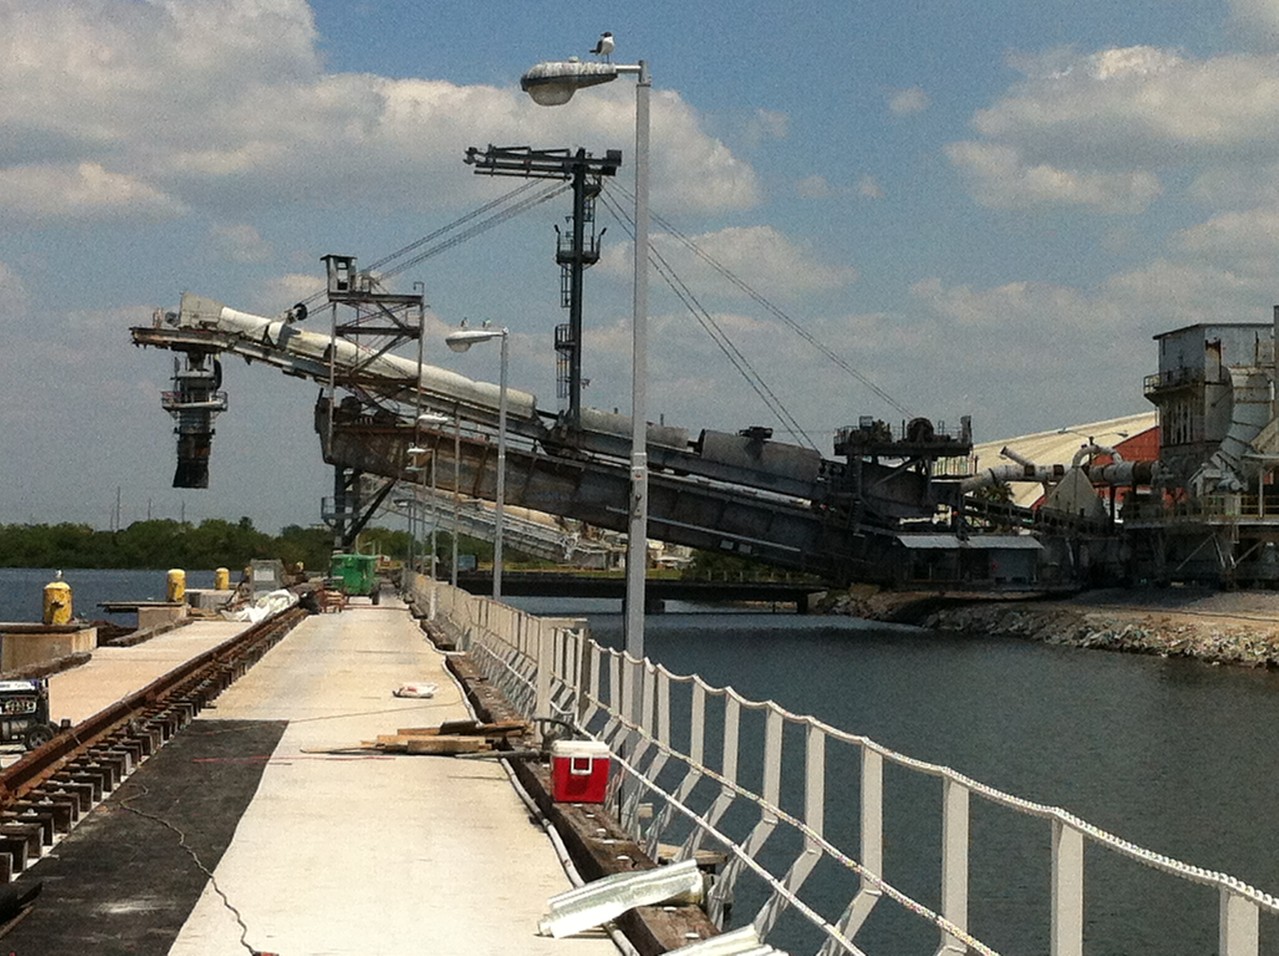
(213, 543)
(160, 543)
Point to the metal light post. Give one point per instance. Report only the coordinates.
(457, 494)
(434, 418)
(409, 505)
(460, 341)
(553, 84)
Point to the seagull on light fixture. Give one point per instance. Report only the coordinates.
(604, 46)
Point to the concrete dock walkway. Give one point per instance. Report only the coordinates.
(372, 854)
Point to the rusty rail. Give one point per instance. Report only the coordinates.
(45, 793)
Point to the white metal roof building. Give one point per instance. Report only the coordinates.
(1058, 447)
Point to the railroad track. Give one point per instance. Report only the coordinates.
(50, 789)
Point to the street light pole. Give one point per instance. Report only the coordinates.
(553, 84)
(500, 503)
(637, 529)
(460, 341)
(457, 491)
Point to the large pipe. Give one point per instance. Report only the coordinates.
(1015, 456)
(446, 386)
(1090, 450)
(1002, 474)
(1118, 473)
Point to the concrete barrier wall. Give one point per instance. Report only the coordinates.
(28, 647)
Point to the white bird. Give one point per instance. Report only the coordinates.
(604, 45)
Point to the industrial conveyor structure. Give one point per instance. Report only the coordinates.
(739, 493)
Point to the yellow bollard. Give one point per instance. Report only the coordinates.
(57, 602)
(221, 579)
(177, 581)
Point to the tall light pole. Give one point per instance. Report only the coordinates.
(457, 493)
(434, 419)
(553, 84)
(460, 341)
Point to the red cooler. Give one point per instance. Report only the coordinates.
(579, 771)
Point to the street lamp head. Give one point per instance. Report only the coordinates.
(432, 418)
(463, 339)
(554, 83)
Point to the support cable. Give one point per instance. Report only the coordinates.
(713, 329)
(475, 230)
(555, 189)
(775, 310)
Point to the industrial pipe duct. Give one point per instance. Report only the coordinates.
(448, 388)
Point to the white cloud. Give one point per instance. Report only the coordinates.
(224, 104)
(999, 176)
(85, 190)
(1101, 130)
(1259, 18)
(1246, 236)
(241, 243)
(1115, 104)
(1170, 292)
(907, 102)
(761, 256)
(13, 291)
(769, 124)
(815, 186)
(1011, 308)
(819, 187)
(281, 291)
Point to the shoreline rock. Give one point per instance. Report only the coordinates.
(1217, 628)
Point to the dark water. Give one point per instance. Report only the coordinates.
(1177, 756)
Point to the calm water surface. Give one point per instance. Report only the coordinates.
(22, 590)
(1177, 756)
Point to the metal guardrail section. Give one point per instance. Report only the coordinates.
(550, 669)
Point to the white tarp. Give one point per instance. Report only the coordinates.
(263, 606)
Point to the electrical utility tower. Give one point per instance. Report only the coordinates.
(574, 252)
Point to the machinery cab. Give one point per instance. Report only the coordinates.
(356, 575)
(24, 712)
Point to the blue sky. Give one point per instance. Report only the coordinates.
(986, 209)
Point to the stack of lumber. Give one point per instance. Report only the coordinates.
(451, 737)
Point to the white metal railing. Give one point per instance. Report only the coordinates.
(551, 668)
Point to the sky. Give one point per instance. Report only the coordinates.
(982, 209)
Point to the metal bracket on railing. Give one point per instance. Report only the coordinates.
(603, 899)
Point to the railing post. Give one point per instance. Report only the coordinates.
(1239, 934)
(954, 863)
(545, 670)
(1067, 891)
(872, 849)
(814, 819)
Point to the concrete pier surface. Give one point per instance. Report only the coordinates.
(370, 853)
(116, 672)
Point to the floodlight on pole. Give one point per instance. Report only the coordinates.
(553, 84)
(460, 341)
